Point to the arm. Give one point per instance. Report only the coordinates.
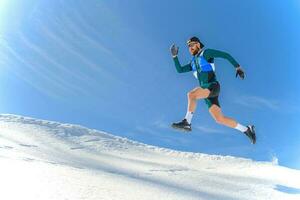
(212, 53)
(181, 69)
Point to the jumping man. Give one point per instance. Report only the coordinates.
(202, 66)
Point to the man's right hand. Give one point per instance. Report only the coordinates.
(174, 50)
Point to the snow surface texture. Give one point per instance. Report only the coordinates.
(45, 160)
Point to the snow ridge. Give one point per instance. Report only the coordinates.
(99, 165)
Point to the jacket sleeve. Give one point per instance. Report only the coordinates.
(212, 53)
(181, 69)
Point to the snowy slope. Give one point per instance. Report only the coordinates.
(48, 160)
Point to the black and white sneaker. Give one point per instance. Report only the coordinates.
(251, 134)
(183, 125)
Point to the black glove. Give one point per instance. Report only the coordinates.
(174, 50)
(240, 73)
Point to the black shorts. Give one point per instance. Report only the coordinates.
(213, 97)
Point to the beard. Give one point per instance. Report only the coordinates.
(196, 51)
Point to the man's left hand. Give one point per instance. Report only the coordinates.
(240, 73)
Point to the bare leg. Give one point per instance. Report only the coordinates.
(193, 95)
(216, 113)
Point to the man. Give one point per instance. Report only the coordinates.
(202, 66)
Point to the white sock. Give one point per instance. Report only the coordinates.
(189, 116)
(241, 127)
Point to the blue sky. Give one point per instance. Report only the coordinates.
(106, 65)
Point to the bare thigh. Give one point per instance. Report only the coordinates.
(199, 93)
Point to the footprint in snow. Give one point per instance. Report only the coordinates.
(74, 148)
(6, 147)
(27, 145)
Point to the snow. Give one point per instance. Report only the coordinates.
(46, 160)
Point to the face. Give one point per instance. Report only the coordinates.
(194, 47)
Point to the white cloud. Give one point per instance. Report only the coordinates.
(208, 129)
(56, 67)
(39, 76)
(161, 124)
(257, 102)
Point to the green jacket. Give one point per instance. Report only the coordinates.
(203, 65)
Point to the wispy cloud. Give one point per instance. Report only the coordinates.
(70, 40)
(208, 129)
(58, 72)
(160, 135)
(77, 31)
(160, 123)
(251, 101)
(258, 102)
(39, 78)
(147, 130)
(68, 37)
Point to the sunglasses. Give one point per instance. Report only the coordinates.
(191, 44)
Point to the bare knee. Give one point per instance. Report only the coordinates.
(191, 95)
(219, 119)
